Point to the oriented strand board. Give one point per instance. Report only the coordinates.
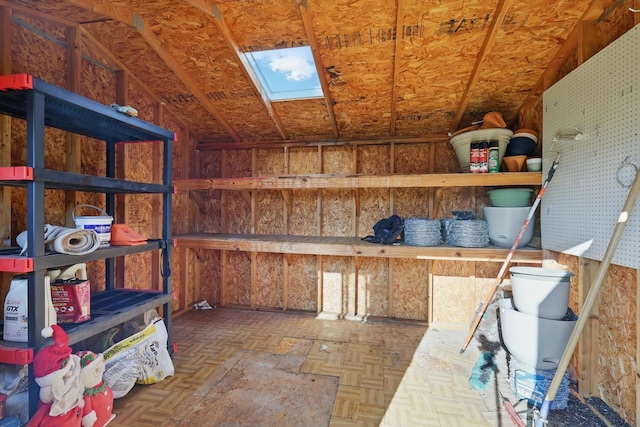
(238, 212)
(452, 298)
(269, 281)
(302, 289)
(304, 160)
(412, 158)
(238, 163)
(411, 202)
(337, 213)
(375, 204)
(337, 160)
(410, 289)
(270, 162)
(374, 159)
(269, 212)
(617, 340)
(373, 287)
(237, 288)
(209, 264)
(338, 286)
(302, 218)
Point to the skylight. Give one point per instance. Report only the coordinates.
(287, 74)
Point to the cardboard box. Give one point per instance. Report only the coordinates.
(72, 300)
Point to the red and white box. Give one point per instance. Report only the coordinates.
(72, 300)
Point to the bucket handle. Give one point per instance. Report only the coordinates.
(73, 212)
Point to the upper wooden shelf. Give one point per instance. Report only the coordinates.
(293, 182)
(349, 246)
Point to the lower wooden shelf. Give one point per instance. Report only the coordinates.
(349, 246)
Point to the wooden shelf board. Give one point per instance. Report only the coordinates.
(349, 246)
(293, 182)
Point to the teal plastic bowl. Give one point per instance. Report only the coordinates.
(510, 197)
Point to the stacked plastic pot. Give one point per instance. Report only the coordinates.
(535, 327)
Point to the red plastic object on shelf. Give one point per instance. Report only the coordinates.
(16, 82)
(16, 356)
(16, 265)
(16, 173)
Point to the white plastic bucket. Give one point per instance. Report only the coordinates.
(100, 224)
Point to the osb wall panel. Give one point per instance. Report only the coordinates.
(39, 54)
(454, 199)
(210, 164)
(269, 162)
(617, 364)
(615, 24)
(452, 297)
(238, 163)
(237, 287)
(302, 289)
(411, 202)
(375, 204)
(452, 268)
(373, 287)
(412, 158)
(373, 159)
(270, 278)
(338, 285)
(177, 274)
(209, 263)
(410, 289)
(337, 160)
(302, 218)
(269, 212)
(210, 216)
(238, 212)
(446, 160)
(303, 160)
(338, 207)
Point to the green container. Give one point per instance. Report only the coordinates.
(510, 197)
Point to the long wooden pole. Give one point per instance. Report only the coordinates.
(503, 269)
(590, 300)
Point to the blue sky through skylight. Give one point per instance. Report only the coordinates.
(287, 73)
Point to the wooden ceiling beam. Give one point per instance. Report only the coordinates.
(211, 9)
(116, 64)
(311, 36)
(487, 45)
(396, 65)
(127, 17)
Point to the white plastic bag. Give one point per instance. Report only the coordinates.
(142, 358)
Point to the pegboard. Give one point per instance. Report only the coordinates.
(591, 118)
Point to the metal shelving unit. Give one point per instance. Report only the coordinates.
(42, 105)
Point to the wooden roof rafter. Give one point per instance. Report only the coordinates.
(396, 66)
(549, 76)
(117, 64)
(311, 36)
(211, 9)
(127, 17)
(498, 17)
